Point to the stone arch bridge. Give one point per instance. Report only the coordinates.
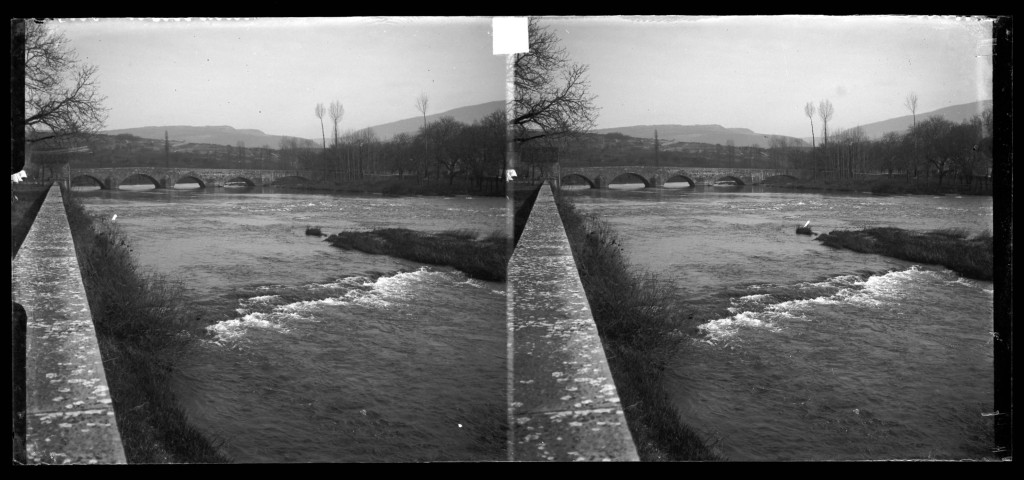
(112, 178)
(651, 176)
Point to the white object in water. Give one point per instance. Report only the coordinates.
(806, 224)
(114, 219)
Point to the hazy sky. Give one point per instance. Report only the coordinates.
(759, 72)
(752, 72)
(269, 74)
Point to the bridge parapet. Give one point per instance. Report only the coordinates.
(69, 413)
(651, 176)
(563, 405)
(111, 178)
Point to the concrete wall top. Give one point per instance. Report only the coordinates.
(70, 417)
(563, 405)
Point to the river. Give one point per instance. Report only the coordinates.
(317, 354)
(797, 351)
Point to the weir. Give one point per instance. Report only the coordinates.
(69, 416)
(563, 404)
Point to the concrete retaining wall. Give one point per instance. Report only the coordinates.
(70, 417)
(563, 405)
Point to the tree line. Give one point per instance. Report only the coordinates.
(935, 147)
(443, 149)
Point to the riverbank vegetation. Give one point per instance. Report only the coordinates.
(641, 329)
(25, 203)
(483, 259)
(955, 249)
(523, 197)
(933, 156)
(143, 323)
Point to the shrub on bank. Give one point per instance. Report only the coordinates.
(951, 248)
(25, 203)
(143, 322)
(641, 331)
(485, 259)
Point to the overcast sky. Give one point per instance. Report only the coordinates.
(269, 74)
(759, 72)
(752, 72)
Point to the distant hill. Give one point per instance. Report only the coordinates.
(712, 134)
(225, 135)
(217, 135)
(412, 125)
(955, 113)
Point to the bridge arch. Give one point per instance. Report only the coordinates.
(246, 181)
(575, 178)
(730, 178)
(681, 177)
(144, 176)
(183, 178)
(631, 177)
(98, 182)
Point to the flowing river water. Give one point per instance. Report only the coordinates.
(318, 354)
(803, 352)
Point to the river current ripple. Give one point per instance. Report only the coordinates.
(317, 354)
(796, 351)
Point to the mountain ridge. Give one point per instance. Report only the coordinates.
(252, 137)
(953, 113)
(701, 133)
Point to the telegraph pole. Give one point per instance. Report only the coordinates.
(656, 147)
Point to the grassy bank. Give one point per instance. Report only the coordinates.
(522, 201)
(483, 259)
(143, 323)
(887, 186)
(394, 186)
(970, 257)
(24, 210)
(641, 331)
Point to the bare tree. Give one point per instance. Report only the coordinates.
(809, 111)
(422, 102)
(552, 94)
(444, 134)
(825, 112)
(319, 111)
(336, 111)
(61, 94)
(421, 106)
(911, 104)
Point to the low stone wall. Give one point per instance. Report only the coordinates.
(563, 405)
(69, 414)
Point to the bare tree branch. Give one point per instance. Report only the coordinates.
(552, 94)
(61, 94)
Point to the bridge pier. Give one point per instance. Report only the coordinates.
(110, 183)
(657, 181)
